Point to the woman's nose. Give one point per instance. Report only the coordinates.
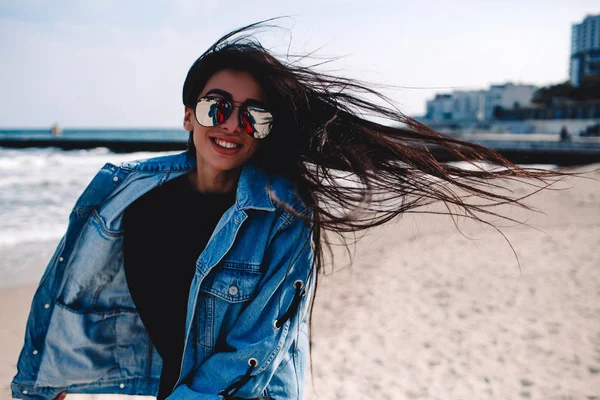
(232, 124)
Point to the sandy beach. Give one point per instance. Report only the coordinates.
(430, 312)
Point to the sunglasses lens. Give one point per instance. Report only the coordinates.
(259, 122)
(212, 111)
(247, 123)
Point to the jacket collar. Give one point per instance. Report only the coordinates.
(180, 162)
(253, 186)
(253, 189)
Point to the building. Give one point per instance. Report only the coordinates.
(585, 49)
(561, 111)
(478, 105)
(507, 96)
(458, 106)
(468, 105)
(440, 108)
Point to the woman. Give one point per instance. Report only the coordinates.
(192, 275)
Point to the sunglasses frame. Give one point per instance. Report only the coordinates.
(242, 107)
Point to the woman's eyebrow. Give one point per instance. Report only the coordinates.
(227, 95)
(255, 103)
(220, 92)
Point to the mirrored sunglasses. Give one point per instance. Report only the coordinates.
(255, 121)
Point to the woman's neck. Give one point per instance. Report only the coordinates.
(209, 180)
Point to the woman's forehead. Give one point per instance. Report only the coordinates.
(240, 85)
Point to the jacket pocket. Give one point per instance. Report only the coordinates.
(85, 347)
(224, 294)
(232, 283)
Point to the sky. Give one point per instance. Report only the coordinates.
(121, 64)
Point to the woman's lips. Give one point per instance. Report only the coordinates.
(221, 146)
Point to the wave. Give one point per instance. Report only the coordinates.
(38, 187)
(18, 159)
(36, 233)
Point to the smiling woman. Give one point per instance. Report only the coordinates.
(191, 276)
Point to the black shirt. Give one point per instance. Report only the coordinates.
(165, 231)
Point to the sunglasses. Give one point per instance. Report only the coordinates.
(255, 121)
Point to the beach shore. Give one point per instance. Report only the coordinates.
(428, 311)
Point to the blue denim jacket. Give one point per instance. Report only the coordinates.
(246, 328)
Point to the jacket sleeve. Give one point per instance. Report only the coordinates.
(262, 335)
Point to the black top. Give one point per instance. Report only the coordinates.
(165, 231)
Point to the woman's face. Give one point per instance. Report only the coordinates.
(226, 146)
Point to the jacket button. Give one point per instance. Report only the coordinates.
(116, 178)
(233, 290)
(122, 385)
(60, 259)
(35, 352)
(25, 392)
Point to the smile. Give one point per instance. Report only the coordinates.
(225, 144)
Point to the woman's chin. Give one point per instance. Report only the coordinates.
(226, 165)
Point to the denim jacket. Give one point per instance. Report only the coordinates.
(246, 328)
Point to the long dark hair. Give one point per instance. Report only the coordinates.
(352, 172)
(355, 173)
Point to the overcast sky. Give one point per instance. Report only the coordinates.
(105, 63)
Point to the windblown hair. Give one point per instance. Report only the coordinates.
(355, 173)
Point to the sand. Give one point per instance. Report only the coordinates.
(428, 312)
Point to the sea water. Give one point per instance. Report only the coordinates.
(38, 188)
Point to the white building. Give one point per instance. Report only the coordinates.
(585, 49)
(440, 108)
(507, 96)
(478, 105)
(468, 105)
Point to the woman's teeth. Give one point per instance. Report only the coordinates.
(227, 145)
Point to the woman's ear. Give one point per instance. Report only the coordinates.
(188, 119)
